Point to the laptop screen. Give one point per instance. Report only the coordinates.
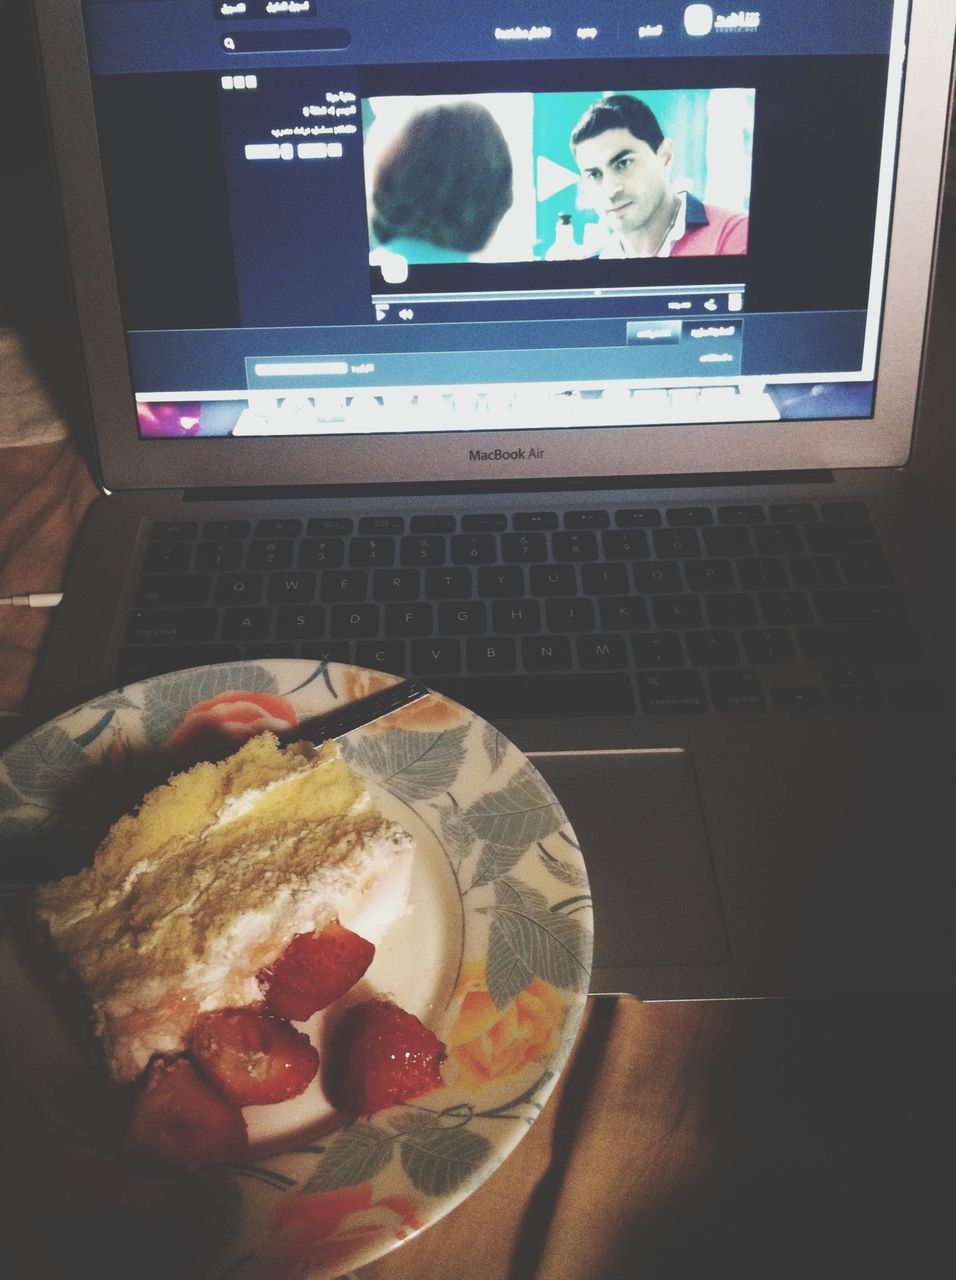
(344, 218)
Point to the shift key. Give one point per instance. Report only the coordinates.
(171, 626)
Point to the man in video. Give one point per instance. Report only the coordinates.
(626, 164)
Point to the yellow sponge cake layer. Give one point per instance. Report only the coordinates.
(205, 885)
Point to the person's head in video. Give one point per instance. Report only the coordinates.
(627, 169)
(442, 186)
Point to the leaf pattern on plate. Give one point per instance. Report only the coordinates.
(411, 764)
(438, 1160)
(561, 870)
(9, 799)
(494, 744)
(516, 815)
(48, 767)
(361, 1152)
(165, 701)
(529, 940)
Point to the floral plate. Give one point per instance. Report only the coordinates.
(494, 956)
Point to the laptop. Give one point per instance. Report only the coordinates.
(569, 361)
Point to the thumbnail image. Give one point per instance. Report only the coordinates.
(519, 177)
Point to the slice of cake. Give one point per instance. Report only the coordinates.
(200, 890)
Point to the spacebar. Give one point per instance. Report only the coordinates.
(531, 697)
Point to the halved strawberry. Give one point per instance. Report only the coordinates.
(381, 1055)
(314, 970)
(252, 1057)
(180, 1122)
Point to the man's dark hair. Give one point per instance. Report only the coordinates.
(447, 179)
(619, 111)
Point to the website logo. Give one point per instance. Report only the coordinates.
(698, 19)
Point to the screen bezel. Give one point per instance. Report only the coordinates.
(128, 462)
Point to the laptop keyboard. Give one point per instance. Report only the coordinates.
(670, 610)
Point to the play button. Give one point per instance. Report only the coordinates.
(552, 178)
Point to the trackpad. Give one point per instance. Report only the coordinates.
(637, 815)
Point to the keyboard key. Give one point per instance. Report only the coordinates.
(497, 653)
(728, 540)
(731, 609)
(344, 584)
(381, 655)
(553, 580)
(712, 649)
(474, 548)
(710, 575)
(637, 518)
(433, 524)
(676, 543)
(246, 624)
(815, 571)
(171, 589)
(322, 553)
(167, 557)
(396, 584)
(411, 619)
(623, 544)
(793, 512)
(576, 546)
(375, 526)
(736, 690)
(327, 651)
(768, 646)
(448, 584)
(305, 623)
(851, 512)
(671, 692)
(354, 621)
(745, 514)
(778, 540)
(602, 652)
(598, 694)
(677, 611)
(780, 608)
(650, 578)
(462, 617)
(546, 653)
(574, 613)
(272, 529)
(855, 697)
(168, 530)
(493, 522)
(365, 553)
(662, 649)
(269, 649)
(171, 626)
(239, 588)
(587, 520)
(436, 657)
(858, 644)
(623, 613)
(762, 573)
(217, 556)
(859, 606)
(522, 548)
(514, 617)
(506, 580)
(271, 554)
(291, 588)
(143, 662)
(526, 521)
(423, 550)
(604, 579)
(324, 525)
(218, 529)
(797, 698)
(678, 516)
(836, 538)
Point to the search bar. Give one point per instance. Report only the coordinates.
(318, 40)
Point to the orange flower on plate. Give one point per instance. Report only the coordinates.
(488, 1043)
(229, 719)
(431, 712)
(329, 1228)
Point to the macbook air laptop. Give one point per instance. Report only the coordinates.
(567, 357)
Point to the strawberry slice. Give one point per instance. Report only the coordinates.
(252, 1057)
(381, 1055)
(314, 970)
(180, 1122)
